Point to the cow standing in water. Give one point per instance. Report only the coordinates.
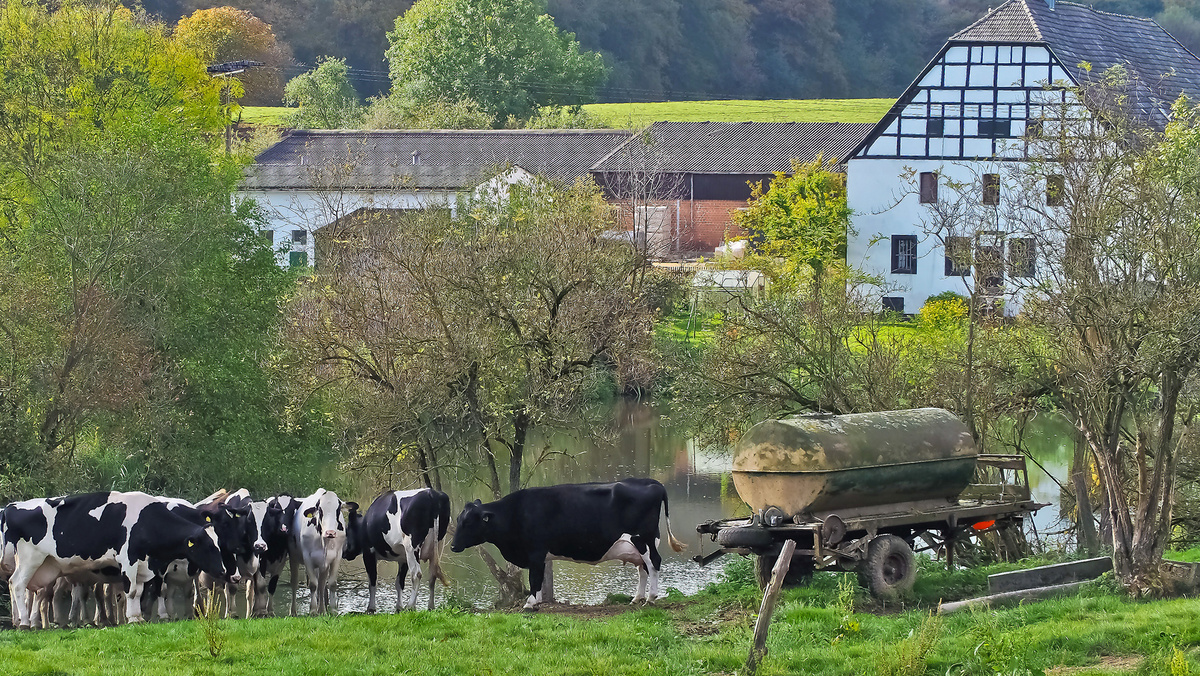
(406, 527)
(587, 523)
(320, 531)
(274, 518)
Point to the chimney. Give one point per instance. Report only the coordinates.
(416, 157)
(1051, 3)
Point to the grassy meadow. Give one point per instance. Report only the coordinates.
(827, 628)
(630, 115)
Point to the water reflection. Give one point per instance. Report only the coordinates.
(699, 487)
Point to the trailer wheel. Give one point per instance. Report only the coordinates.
(744, 536)
(889, 569)
(799, 573)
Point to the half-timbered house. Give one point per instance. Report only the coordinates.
(972, 110)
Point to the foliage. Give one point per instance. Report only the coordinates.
(395, 112)
(324, 96)
(454, 336)
(224, 34)
(802, 219)
(560, 117)
(944, 312)
(910, 657)
(506, 55)
(209, 610)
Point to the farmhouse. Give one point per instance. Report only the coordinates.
(976, 107)
(674, 185)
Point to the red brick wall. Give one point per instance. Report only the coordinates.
(699, 225)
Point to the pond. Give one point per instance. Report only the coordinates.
(699, 488)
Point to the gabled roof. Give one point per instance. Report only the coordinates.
(437, 159)
(1077, 33)
(755, 148)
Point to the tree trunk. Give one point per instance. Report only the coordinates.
(1088, 542)
(517, 450)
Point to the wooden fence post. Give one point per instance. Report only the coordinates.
(758, 649)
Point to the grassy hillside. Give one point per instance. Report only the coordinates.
(782, 110)
(621, 115)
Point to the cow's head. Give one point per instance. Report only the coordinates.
(474, 526)
(355, 535)
(202, 551)
(235, 533)
(322, 512)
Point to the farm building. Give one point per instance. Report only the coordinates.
(675, 185)
(975, 108)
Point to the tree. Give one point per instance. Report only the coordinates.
(394, 112)
(506, 55)
(325, 97)
(224, 34)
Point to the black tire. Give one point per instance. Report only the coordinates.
(889, 569)
(744, 536)
(799, 573)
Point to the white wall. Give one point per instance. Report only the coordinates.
(309, 210)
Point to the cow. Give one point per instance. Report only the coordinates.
(320, 531)
(405, 527)
(56, 536)
(587, 523)
(246, 544)
(274, 517)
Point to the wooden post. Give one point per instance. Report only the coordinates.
(758, 650)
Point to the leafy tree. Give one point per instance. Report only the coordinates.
(393, 112)
(325, 97)
(223, 34)
(802, 219)
(506, 55)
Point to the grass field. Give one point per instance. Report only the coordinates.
(821, 629)
(628, 115)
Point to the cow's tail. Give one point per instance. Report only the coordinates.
(676, 544)
(435, 553)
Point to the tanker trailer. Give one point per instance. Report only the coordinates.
(863, 492)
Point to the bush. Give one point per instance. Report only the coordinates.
(944, 310)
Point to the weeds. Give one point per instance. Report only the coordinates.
(847, 589)
(208, 616)
(910, 657)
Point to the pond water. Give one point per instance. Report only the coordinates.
(698, 486)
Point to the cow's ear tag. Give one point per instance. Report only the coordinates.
(207, 519)
(191, 544)
(308, 513)
(486, 516)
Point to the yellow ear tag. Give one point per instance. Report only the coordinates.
(208, 519)
(191, 544)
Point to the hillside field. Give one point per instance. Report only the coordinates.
(620, 115)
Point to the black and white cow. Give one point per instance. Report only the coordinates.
(57, 536)
(274, 518)
(241, 540)
(320, 531)
(406, 527)
(587, 523)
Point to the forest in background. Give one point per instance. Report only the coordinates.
(690, 49)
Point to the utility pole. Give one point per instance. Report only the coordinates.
(225, 70)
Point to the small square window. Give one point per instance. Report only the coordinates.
(298, 259)
(904, 254)
(935, 126)
(893, 304)
(991, 189)
(300, 237)
(1055, 190)
(1034, 129)
(958, 256)
(267, 236)
(929, 187)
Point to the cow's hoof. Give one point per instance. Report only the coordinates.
(370, 611)
(135, 620)
(529, 609)
(25, 627)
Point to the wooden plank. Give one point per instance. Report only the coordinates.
(758, 649)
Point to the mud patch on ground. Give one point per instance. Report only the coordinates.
(601, 611)
(712, 624)
(1108, 663)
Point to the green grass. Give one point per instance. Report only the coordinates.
(782, 110)
(812, 633)
(622, 115)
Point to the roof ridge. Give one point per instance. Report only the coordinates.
(1092, 9)
(1037, 30)
(985, 17)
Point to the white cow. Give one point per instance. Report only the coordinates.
(320, 531)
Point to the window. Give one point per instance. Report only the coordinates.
(929, 186)
(989, 262)
(958, 256)
(991, 189)
(893, 304)
(904, 254)
(935, 126)
(300, 237)
(1021, 257)
(995, 128)
(298, 259)
(1034, 129)
(268, 237)
(1055, 190)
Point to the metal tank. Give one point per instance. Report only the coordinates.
(819, 463)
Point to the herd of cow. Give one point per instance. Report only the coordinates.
(151, 549)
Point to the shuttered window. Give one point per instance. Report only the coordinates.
(991, 189)
(1022, 257)
(1055, 190)
(958, 256)
(929, 187)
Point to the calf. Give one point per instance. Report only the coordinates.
(59, 536)
(588, 523)
(406, 527)
(320, 531)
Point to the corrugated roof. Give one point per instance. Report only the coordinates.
(1077, 33)
(425, 159)
(740, 147)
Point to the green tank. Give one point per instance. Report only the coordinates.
(820, 463)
